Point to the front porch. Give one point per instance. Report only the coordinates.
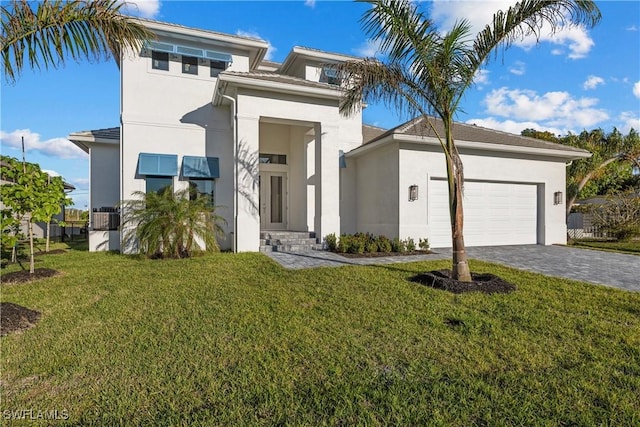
(288, 241)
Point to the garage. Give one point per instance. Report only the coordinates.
(495, 213)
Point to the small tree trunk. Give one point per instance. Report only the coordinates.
(32, 262)
(46, 246)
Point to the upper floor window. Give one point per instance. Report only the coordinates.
(160, 60)
(331, 76)
(217, 67)
(274, 159)
(189, 65)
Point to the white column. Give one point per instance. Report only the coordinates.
(248, 229)
(327, 206)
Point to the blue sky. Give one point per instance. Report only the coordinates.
(578, 79)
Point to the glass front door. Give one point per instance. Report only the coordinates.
(273, 200)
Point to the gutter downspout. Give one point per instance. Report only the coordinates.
(234, 125)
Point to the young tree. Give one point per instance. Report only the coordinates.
(52, 199)
(428, 71)
(59, 29)
(23, 194)
(170, 225)
(606, 150)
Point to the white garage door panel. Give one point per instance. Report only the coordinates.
(494, 214)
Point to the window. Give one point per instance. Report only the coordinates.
(217, 67)
(274, 159)
(160, 61)
(156, 184)
(189, 65)
(331, 76)
(202, 188)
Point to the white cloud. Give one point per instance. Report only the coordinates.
(518, 68)
(50, 172)
(515, 127)
(632, 28)
(481, 78)
(592, 82)
(80, 182)
(556, 109)
(310, 3)
(143, 8)
(636, 89)
(446, 13)
(55, 147)
(271, 50)
(368, 49)
(628, 120)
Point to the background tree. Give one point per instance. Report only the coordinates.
(23, 194)
(171, 225)
(608, 153)
(619, 215)
(56, 30)
(427, 71)
(52, 199)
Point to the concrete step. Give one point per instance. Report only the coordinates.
(288, 241)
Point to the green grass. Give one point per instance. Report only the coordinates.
(234, 339)
(631, 247)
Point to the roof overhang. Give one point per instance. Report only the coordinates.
(257, 48)
(85, 139)
(566, 155)
(303, 53)
(226, 81)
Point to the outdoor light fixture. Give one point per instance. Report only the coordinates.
(557, 198)
(413, 193)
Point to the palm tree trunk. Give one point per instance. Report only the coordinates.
(460, 266)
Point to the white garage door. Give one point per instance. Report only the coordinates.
(494, 214)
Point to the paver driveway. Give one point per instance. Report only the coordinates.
(607, 268)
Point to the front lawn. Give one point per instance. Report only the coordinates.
(631, 247)
(237, 340)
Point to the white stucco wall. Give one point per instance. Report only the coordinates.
(167, 112)
(377, 175)
(104, 175)
(418, 164)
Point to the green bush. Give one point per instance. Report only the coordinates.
(384, 244)
(423, 244)
(398, 245)
(332, 242)
(344, 243)
(410, 245)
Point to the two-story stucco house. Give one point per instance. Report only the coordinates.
(267, 142)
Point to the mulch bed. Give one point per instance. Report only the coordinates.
(481, 282)
(382, 254)
(23, 276)
(15, 318)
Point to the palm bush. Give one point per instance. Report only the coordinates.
(165, 224)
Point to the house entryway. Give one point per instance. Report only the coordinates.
(273, 201)
(288, 241)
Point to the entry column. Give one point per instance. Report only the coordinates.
(248, 186)
(327, 181)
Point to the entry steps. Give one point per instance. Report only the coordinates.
(288, 241)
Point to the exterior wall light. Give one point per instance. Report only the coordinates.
(557, 198)
(413, 193)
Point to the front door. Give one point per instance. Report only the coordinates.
(273, 200)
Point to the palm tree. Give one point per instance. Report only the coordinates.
(58, 29)
(427, 72)
(165, 224)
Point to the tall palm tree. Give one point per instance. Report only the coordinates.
(427, 72)
(58, 29)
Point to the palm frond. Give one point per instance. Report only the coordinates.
(56, 30)
(527, 18)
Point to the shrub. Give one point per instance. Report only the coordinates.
(398, 245)
(620, 215)
(423, 244)
(332, 242)
(410, 244)
(384, 244)
(371, 246)
(344, 243)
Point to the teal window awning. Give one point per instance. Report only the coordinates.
(150, 164)
(200, 167)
